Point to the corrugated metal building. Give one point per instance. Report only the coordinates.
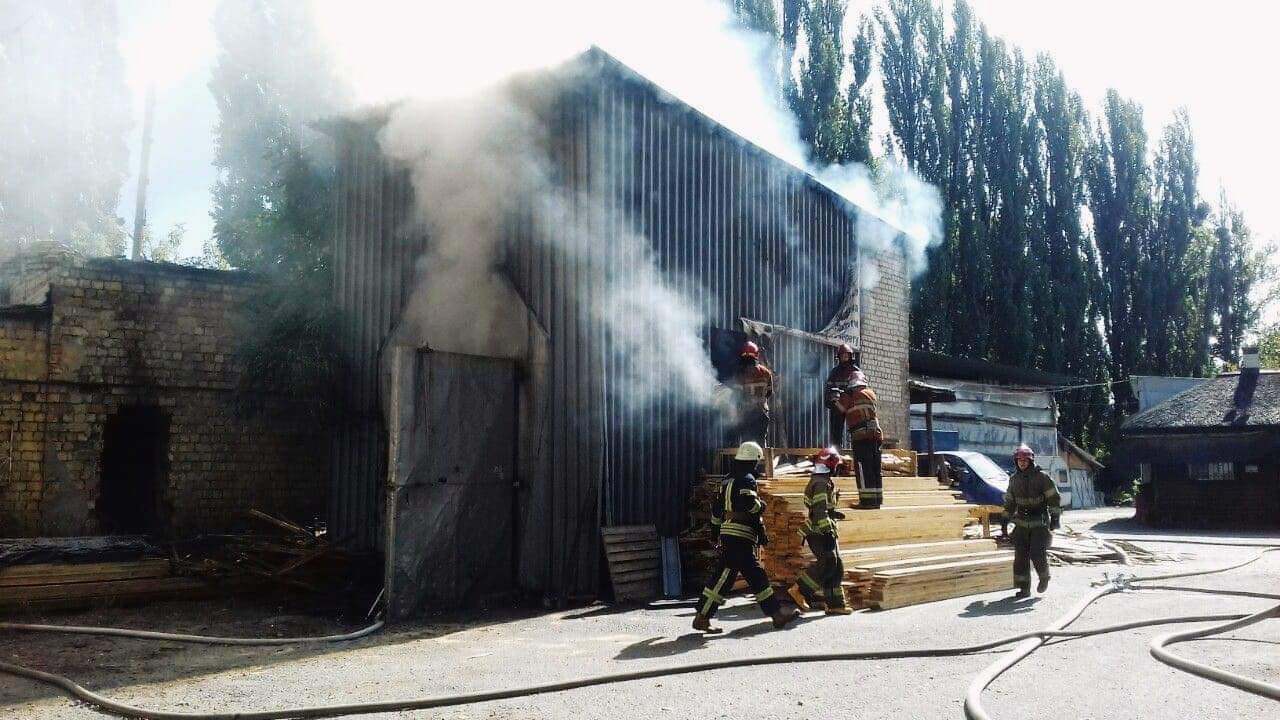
(765, 240)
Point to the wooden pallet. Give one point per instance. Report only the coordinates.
(635, 561)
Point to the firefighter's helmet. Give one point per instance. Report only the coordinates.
(840, 352)
(1024, 451)
(749, 451)
(826, 461)
(749, 349)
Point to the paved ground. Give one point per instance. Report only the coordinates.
(1109, 676)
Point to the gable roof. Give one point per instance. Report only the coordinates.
(1223, 403)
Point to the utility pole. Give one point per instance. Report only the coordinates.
(140, 211)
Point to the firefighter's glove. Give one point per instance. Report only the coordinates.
(835, 514)
(1055, 522)
(764, 537)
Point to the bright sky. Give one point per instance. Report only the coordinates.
(1214, 58)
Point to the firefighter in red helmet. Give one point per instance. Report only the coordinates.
(754, 382)
(838, 381)
(819, 586)
(1033, 504)
(858, 403)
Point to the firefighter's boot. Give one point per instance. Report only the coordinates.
(1043, 584)
(803, 601)
(837, 603)
(1023, 593)
(702, 623)
(782, 618)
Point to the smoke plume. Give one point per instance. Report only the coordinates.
(475, 154)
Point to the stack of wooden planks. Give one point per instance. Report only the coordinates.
(74, 585)
(911, 550)
(635, 561)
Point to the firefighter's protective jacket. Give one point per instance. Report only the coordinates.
(839, 380)
(736, 512)
(859, 405)
(755, 382)
(820, 497)
(1032, 498)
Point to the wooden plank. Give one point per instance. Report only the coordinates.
(622, 557)
(630, 545)
(112, 588)
(623, 530)
(52, 574)
(653, 564)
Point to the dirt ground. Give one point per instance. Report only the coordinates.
(1111, 676)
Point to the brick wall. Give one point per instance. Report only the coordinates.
(118, 334)
(886, 315)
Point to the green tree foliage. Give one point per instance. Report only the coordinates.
(64, 120)
(272, 198)
(1235, 270)
(1269, 347)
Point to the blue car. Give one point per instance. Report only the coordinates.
(977, 476)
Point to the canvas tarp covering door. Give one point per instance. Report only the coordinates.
(450, 512)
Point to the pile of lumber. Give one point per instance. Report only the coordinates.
(911, 550)
(899, 463)
(46, 586)
(927, 577)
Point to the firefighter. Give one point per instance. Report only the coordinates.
(736, 514)
(819, 586)
(1033, 504)
(865, 436)
(838, 381)
(755, 386)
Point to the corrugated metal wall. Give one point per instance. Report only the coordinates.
(373, 274)
(731, 224)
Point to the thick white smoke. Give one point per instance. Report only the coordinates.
(476, 153)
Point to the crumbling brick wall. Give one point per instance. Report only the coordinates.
(886, 321)
(117, 334)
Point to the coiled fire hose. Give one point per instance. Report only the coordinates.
(1029, 642)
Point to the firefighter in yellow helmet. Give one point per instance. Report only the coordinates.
(1033, 504)
(819, 586)
(736, 513)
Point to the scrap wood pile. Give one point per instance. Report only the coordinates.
(1081, 548)
(912, 550)
(66, 573)
(278, 552)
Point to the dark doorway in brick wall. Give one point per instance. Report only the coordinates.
(135, 451)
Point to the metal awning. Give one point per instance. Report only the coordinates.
(922, 393)
(764, 329)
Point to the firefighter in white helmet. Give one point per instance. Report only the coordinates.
(1033, 504)
(736, 512)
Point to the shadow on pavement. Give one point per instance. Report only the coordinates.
(1003, 606)
(656, 647)
(624, 608)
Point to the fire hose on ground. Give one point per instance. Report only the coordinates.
(1028, 643)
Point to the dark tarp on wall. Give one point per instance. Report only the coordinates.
(451, 506)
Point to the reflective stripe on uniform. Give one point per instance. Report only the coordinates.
(738, 530)
(809, 582)
(712, 594)
(764, 594)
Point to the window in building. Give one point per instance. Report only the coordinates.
(1212, 472)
